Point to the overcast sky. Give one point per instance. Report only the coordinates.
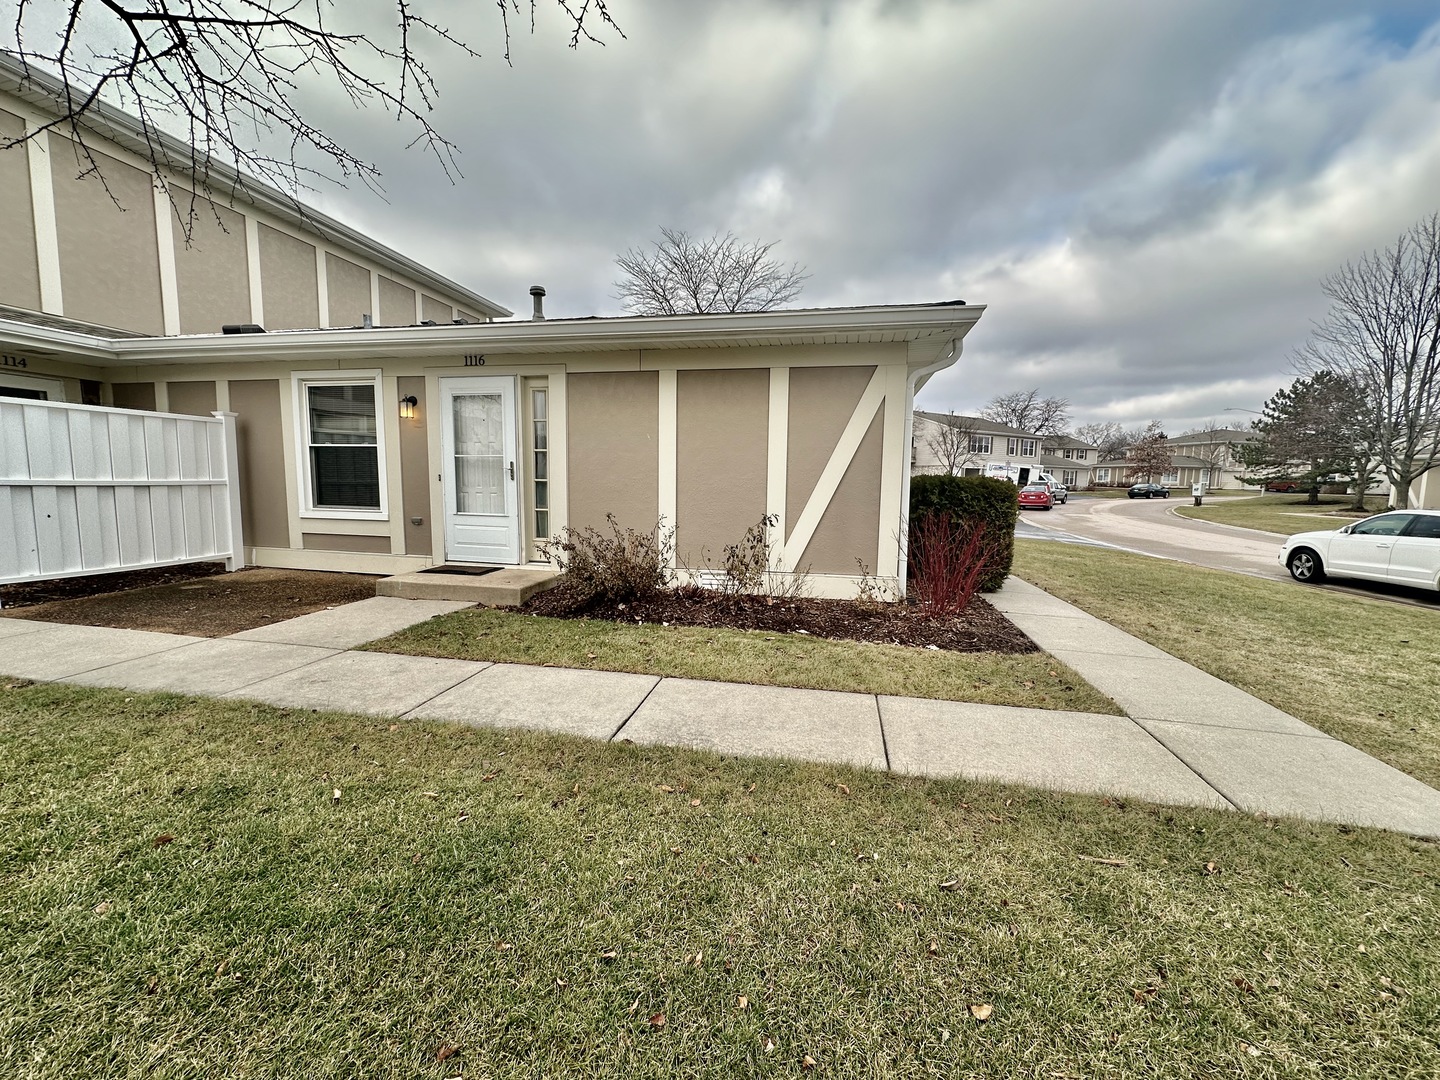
(1145, 194)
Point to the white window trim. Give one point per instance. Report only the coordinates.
(53, 388)
(1031, 444)
(982, 444)
(299, 381)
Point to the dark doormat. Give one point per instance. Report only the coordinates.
(473, 571)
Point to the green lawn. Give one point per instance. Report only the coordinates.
(1034, 680)
(1362, 670)
(350, 897)
(1283, 514)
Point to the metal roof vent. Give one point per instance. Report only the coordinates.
(538, 292)
(242, 328)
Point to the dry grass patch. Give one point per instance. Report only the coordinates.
(1033, 680)
(1284, 515)
(204, 888)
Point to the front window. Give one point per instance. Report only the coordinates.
(1027, 447)
(1012, 447)
(342, 447)
(1102, 476)
(979, 444)
(1080, 455)
(1069, 478)
(1069, 455)
(1171, 477)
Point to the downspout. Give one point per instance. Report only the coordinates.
(919, 375)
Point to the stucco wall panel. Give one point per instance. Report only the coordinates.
(612, 426)
(349, 287)
(287, 281)
(19, 267)
(372, 545)
(264, 499)
(415, 468)
(397, 303)
(821, 402)
(850, 527)
(722, 438)
(191, 398)
(212, 271)
(435, 310)
(109, 259)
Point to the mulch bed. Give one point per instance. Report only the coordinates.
(180, 600)
(980, 628)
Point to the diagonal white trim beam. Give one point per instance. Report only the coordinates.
(834, 471)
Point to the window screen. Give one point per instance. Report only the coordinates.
(344, 457)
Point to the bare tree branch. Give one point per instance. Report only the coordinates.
(1382, 333)
(952, 443)
(1028, 411)
(1149, 455)
(682, 275)
(209, 79)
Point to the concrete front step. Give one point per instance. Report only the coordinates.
(506, 587)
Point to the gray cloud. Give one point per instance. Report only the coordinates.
(1146, 195)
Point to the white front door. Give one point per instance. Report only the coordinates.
(477, 438)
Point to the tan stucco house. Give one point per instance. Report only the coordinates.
(388, 422)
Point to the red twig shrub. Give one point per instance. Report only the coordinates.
(948, 562)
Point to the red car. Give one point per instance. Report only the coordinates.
(1037, 496)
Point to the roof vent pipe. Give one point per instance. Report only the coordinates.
(367, 323)
(538, 292)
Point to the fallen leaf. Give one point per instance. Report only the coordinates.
(981, 1012)
(163, 839)
(667, 789)
(394, 727)
(933, 948)
(694, 802)
(750, 790)
(102, 907)
(657, 1020)
(430, 794)
(1244, 984)
(699, 956)
(769, 1044)
(807, 1062)
(561, 984)
(335, 796)
(503, 946)
(609, 954)
(589, 656)
(1211, 868)
(446, 1052)
(1361, 948)
(953, 885)
(843, 789)
(221, 968)
(676, 850)
(743, 1002)
(633, 1006)
(1273, 982)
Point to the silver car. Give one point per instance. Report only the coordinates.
(1401, 547)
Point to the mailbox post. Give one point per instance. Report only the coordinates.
(1197, 490)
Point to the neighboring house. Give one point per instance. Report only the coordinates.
(1069, 460)
(407, 439)
(1204, 457)
(985, 447)
(1424, 491)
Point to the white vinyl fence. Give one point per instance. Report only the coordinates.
(91, 490)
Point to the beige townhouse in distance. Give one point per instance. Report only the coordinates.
(978, 447)
(390, 420)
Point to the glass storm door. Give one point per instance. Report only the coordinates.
(477, 436)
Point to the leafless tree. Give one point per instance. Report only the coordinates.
(212, 80)
(1383, 332)
(950, 441)
(1109, 437)
(1028, 411)
(683, 275)
(1150, 455)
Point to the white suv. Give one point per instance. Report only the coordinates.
(1401, 547)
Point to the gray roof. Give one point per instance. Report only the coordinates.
(1067, 442)
(978, 424)
(1220, 435)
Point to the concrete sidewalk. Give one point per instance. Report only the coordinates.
(1188, 738)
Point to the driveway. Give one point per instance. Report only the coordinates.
(1147, 526)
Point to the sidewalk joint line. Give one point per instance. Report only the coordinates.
(1315, 733)
(287, 671)
(884, 743)
(488, 665)
(631, 714)
(1181, 758)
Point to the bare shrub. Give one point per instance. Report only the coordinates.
(747, 564)
(948, 561)
(871, 594)
(623, 566)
